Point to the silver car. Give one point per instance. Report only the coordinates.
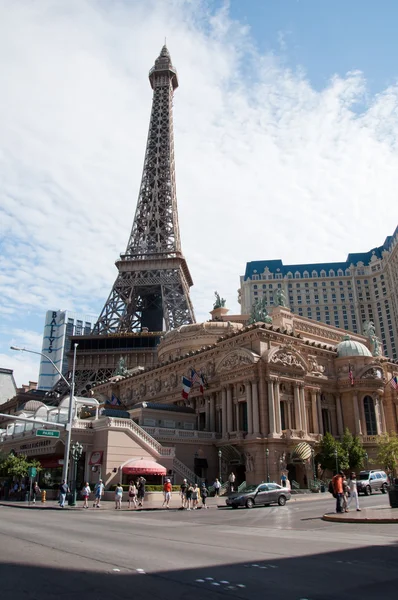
(372, 481)
(263, 494)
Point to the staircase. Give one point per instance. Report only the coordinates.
(185, 472)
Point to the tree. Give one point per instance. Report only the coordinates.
(387, 453)
(12, 465)
(326, 456)
(354, 450)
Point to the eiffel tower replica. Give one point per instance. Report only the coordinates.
(151, 293)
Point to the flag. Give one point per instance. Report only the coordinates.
(394, 382)
(350, 374)
(195, 377)
(115, 401)
(186, 387)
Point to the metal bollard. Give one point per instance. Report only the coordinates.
(43, 495)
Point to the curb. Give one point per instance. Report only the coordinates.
(382, 520)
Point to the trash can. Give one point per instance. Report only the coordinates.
(393, 496)
(323, 488)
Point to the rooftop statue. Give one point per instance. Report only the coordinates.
(370, 331)
(220, 302)
(260, 313)
(280, 298)
(121, 368)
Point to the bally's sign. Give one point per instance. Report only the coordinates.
(51, 338)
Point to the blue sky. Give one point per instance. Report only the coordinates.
(286, 128)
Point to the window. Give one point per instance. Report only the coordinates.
(314, 274)
(370, 415)
(340, 274)
(323, 273)
(290, 275)
(297, 275)
(326, 420)
(297, 285)
(306, 274)
(347, 272)
(283, 416)
(255, 277)
(331, 273)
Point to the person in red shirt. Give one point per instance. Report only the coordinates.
(337, 482)
(167, 487)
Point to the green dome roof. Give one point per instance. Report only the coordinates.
(349, 347)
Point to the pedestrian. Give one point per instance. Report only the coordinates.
(195, 496)
(346, 493)
(99, 491)
(132, 494)
(35, 492)
(63, 490)
(118, 496)
(353, 491)
(141, 491)
(204, 492)
(167, 489)
(217, 487)
(86, 491)
(189, 496)
(183, 493)
(337, 483)
(231, 481)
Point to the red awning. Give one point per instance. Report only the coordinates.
(142, 466)
(51, 462)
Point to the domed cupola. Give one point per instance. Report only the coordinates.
(350, 348)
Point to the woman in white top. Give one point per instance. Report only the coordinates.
(118, 496)
(132, 494)
(85, 494)
(353, 491)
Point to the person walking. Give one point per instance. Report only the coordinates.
(36, 491)
(98, 492)
(195, 496)
(85, 494)
(189, 496)
(352, 484)
(231, 481)
(337, 483)
(346, 493)
(167, 489)
(118, 496)
(141, 491)
(204, 492)
(183, 493)
(217, 487)
(63, 490)
(132, 494)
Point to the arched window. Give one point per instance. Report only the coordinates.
(370, 415)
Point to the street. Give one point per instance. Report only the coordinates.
(278, 552)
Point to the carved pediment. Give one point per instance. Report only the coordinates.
(285, 357)
(237, 359)
(372, 373)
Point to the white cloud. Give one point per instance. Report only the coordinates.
(25, 366)
(267, 166)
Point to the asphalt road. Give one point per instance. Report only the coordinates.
(273, 552)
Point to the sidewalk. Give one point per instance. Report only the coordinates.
(175, 504)
(367, 515)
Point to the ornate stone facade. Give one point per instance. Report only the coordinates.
(269, 387)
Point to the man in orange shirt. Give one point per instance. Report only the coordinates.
(337, 482)
(167, 487)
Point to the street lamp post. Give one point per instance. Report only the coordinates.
(219, 464)
(366, 459)
(313, 462)
(337, 462)
(267, 457)
(76, 453)
(195, 467)
(71, 386)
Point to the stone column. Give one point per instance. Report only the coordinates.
(357, 420)
(207, 409)
(212, 422)
(297, 411)
(230, 423)
(255, 407)
(319, 409)
(277, 400)
(383, 416)
(314, 409)
(249, 407)
(271, 407)
(224, 411)
(340, 425)
(303, 409)
(362, 417)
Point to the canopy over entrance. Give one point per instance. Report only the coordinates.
(143, 466)
(301, 452)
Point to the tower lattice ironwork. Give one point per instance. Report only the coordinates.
(152, 287)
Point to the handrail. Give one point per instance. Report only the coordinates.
(143, 435)
(186, 471)
(295, 485)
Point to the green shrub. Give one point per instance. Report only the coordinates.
(148, 488)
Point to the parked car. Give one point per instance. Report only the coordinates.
(371, 481)
(263, 494)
